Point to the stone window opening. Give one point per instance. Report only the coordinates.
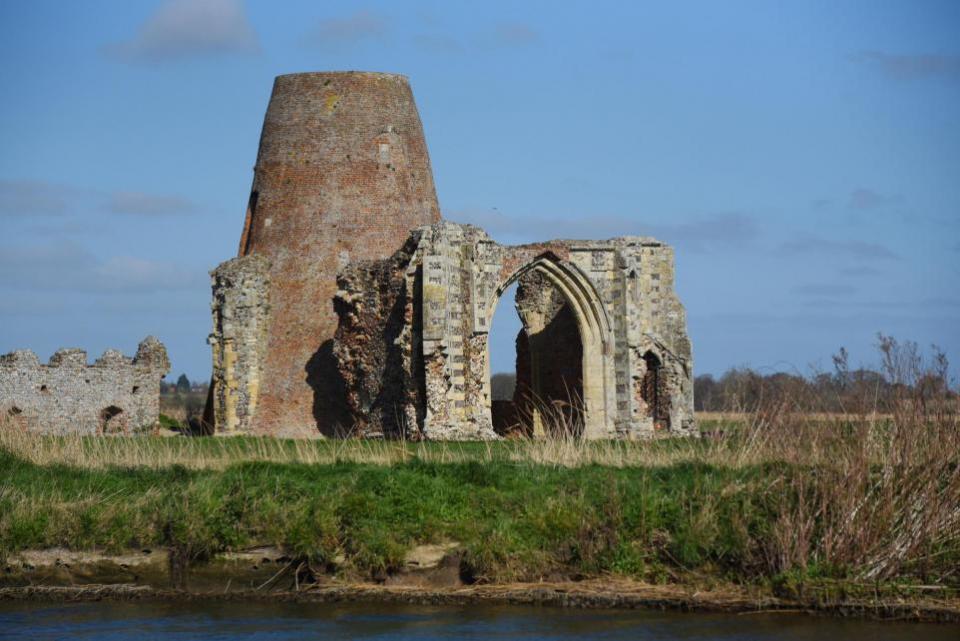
(653, 391)
(43, 388)
(112, 420)
(503, 364)
(136, 388)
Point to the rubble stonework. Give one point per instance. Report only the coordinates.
(432, 374)
(342, 174)
(239, 339)
(352, 309)
(115, 395)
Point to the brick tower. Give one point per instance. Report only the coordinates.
(342, 174)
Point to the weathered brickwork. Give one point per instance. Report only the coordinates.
(115, 395)
(353, 309)
(342, 174)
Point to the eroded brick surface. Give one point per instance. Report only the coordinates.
(342, 175)
(367, 315)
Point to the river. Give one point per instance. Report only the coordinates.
(143, 621)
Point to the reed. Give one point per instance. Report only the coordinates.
(775, 495)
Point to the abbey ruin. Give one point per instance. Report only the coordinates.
(352, 308)
(115, 395)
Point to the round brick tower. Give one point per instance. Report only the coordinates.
(342, 175)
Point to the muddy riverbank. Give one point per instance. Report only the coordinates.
(431, 576)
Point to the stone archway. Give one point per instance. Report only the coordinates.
(583, 303)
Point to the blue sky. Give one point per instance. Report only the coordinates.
(803, 158)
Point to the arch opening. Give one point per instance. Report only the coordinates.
(112, 420)
(560, 379)
(542, 395)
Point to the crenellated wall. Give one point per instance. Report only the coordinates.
(114, 395)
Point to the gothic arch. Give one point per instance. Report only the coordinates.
(595, 335)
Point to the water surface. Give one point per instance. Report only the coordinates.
(108, 621)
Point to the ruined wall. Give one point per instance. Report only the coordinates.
(379, 372)
(342, 175)
(619, 291)
(322, 326)
(116, 394)
(241, 305)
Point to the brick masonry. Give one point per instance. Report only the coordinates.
(352, 309)
(342, 174)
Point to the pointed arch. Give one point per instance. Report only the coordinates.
(595, 335)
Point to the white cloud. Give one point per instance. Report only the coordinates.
(69, 267)
(189, 28)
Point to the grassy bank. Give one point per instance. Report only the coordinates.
(780, 502)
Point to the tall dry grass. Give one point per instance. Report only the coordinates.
(861, 494)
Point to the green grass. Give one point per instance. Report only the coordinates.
(781, 500)
(515, 521)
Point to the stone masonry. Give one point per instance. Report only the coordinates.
(412, 341)
(351, 309)
(115, 395)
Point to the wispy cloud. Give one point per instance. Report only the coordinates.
(339, 33)
(860, 271)
(698, 234)
(815, 245)
(863, 198)
(36, 198)
(726, 229)
(187, 29)
(138, 203)
(912, 66)
(940, 304)
(827, 290)
(437, 43)
(32, 198)
(514, 34)
(70, 267)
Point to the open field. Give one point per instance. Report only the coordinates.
(779, 503)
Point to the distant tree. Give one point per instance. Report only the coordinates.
(501, 386)
(706, 394)
(183, 384)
